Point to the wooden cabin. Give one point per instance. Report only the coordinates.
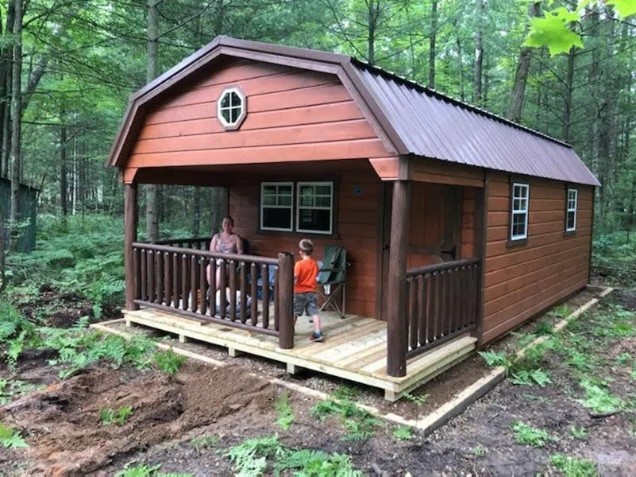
(458, 225)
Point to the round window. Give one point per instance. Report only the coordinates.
(231, 108)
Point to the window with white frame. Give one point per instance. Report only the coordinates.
(519, 213)
(231, 108)
(570, 218)
(314, 211)
(277, 205)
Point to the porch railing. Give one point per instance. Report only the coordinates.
(184, 281)
(441, 303)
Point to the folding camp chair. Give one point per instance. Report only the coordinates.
(332, 279)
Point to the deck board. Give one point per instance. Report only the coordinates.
(354, 349)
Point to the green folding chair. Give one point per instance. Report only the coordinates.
(332, 280)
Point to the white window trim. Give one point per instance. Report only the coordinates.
(228, 126)
(290, 207)
(571, 209)
(514, 212)
(298, 207)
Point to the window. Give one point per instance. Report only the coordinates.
(519, 215)
(315, 207)
(277, 205)
(310, 212)
(231, 108)
(570, 216)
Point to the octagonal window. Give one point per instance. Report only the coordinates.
(231, 108)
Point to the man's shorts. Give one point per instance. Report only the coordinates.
(305, 302)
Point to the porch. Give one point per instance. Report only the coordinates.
(355, 348)
(173, 289)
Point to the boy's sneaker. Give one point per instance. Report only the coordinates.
(317, 337)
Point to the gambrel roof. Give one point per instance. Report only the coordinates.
(412, 119)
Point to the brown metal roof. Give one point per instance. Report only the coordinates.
(415, 120)
(433, 125)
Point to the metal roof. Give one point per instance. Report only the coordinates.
(436, 126)
(415, 120)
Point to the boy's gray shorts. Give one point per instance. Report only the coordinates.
(305, 301)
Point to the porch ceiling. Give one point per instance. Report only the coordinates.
(225, 175)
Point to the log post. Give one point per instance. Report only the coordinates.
(285, 301)
(396, 297)
(130, 236)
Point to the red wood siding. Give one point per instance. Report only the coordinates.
(292, 115)
(357, 201)
(521, 281)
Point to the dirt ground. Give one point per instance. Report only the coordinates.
(170, 415)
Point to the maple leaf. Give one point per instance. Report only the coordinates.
(552, 30)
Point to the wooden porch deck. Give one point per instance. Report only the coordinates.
(354, 349)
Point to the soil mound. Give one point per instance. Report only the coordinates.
(67, 436)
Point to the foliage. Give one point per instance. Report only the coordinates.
(285, 411)
(118, 416)
(525, 434)
(530, 377)
(598, 398)
(252, 457)
(168, 361)
(419, 399)
(10, 438)
(495, 358)
(552, 30)
(403, 433)
(12, 388)
(572, 466)
(578, 432)
(204, 442)
(358, 423)
(139, 471)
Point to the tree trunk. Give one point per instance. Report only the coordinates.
(152, 218)
(5, 91)
(373, 15)
(479, 53)
(431, 46)
(521, 75)
(569, 87)
(16, 128)
(63, 165)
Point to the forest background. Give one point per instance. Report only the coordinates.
(67, 68)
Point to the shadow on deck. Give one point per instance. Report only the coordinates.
(355, 348)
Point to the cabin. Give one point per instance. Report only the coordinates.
(458, 225)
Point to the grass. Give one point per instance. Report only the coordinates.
(147, 471)
(267, 455)
(358, 423)
(168, 361)
(579, 432)
(403, 433)
(285, 412)
(204, 442)
(525, 434)
(10, 438)
(572, 466)
(118, 416)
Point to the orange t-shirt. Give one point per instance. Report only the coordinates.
(305, 273)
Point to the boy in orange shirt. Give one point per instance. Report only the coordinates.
(305, 274)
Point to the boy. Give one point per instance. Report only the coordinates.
(305, 273)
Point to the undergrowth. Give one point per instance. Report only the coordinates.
(267, 455)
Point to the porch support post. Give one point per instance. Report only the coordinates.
(396, 297)
(285, 302)
(481, 219)
(130, 236)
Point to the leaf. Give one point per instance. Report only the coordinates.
(552, 30)
(624, 8)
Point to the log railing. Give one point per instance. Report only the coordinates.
(198, 243)
(184, 281)
(442, 302)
